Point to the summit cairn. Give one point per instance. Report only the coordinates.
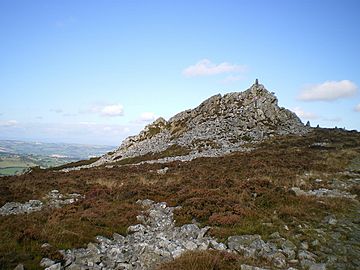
(219, 125)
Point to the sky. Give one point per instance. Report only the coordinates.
(98, 71)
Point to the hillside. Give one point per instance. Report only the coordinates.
(218, 126)
(284, 197)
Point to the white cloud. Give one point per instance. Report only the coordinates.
(205, 68)
(107, 110)
(329, 90)
(305, 115)
(12, 123)
(112, 110)
(357, 108)
(147, 117)
(9, 123)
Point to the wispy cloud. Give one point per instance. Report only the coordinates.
(69, 114)
(74, 132)
(9, 123)
(146, 117)
(205, 67)
(303, 114)
(57, 110)
(110, 110)
(335, 119)
(328, 91)
(357, 108)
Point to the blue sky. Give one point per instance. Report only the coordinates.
(98, 71)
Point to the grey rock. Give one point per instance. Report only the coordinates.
(54, 267)
(318, 266)
(304, 254)
(46, 262)
(20, 266)
(275, 235)
(162, 171)
(46, 245)
(330, 220)
(279, 260)
(304, 245)
(136, 228)
(53, 199)
(249, 267)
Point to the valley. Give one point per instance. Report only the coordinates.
(16, 157)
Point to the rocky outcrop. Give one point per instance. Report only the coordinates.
(53, 199)
(219, 125)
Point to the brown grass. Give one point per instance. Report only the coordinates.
(234, 194)
(206, 260)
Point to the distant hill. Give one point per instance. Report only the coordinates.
(17, 156)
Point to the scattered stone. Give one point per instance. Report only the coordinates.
(279, 260)
(46, 245)
(249, 267)
(318, 266)
(162, 171)
(323, 192)
(275, 235)
(56, 266)
(158, 240)
(304, 245)
(330, 220)
(315, 243)
(46, 262)
(53, 199)
(20, 266)
(15, 208)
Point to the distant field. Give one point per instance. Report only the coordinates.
(12, 170)
(15, 161)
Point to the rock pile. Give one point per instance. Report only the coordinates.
(53, 199)
(219, 125)
(156, 240)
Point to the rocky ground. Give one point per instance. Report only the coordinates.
(334, 245)
(289, 203)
